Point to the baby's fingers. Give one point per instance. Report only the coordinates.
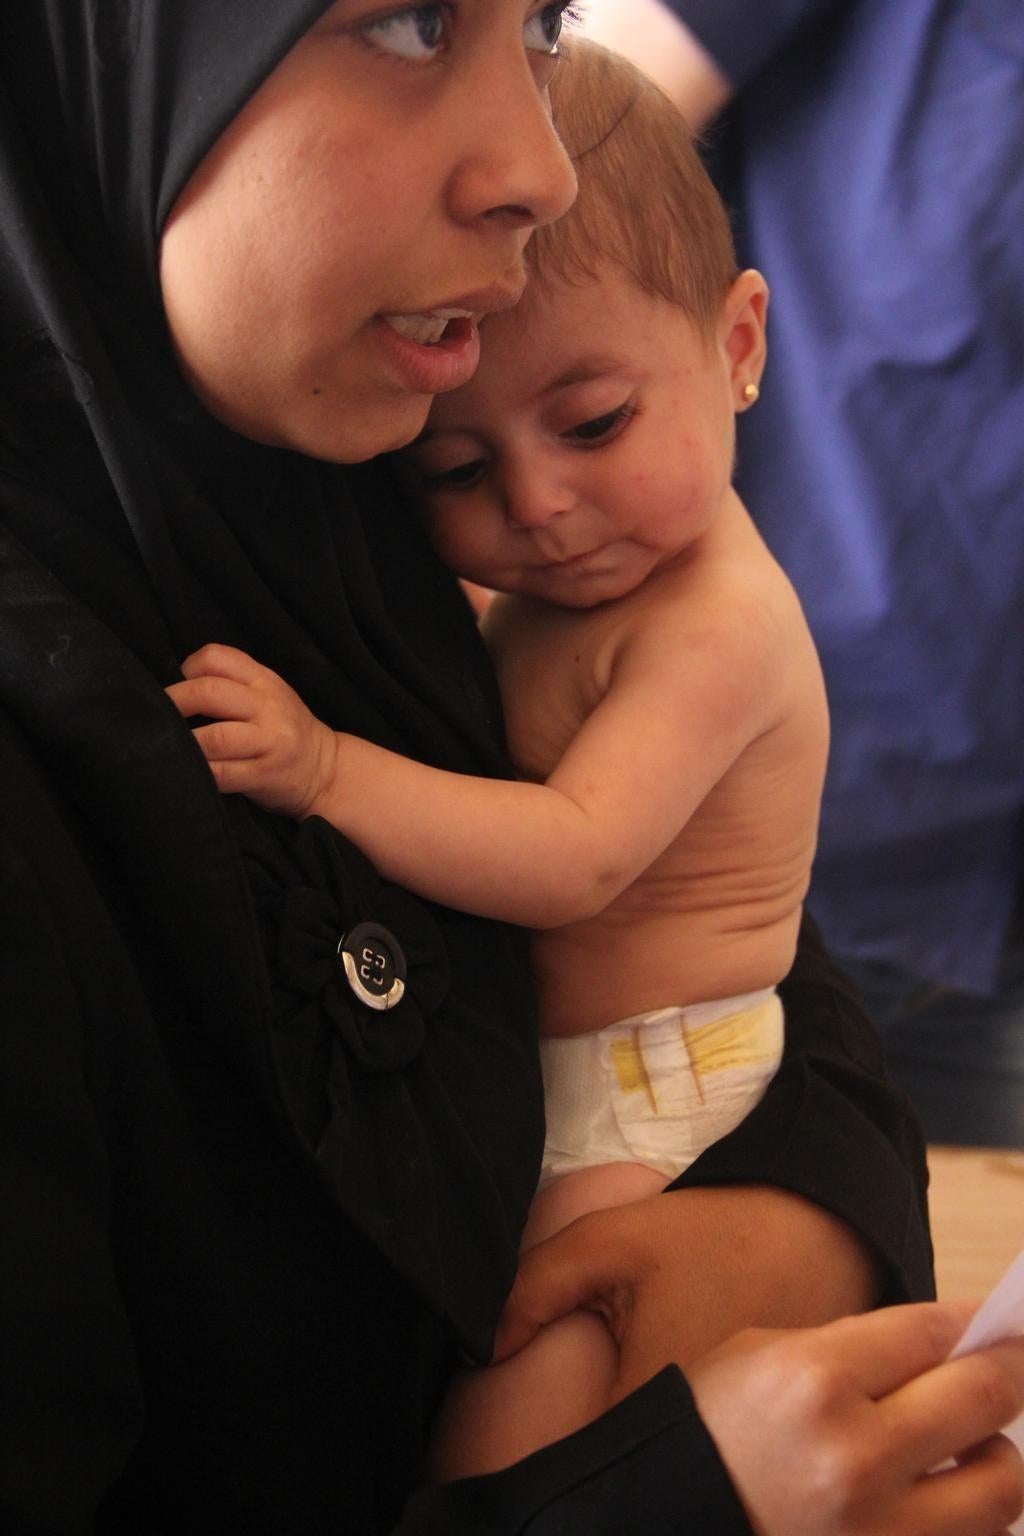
(216, 698)
(228, 741)
(221, 661)
(239, 767)
(236, 777)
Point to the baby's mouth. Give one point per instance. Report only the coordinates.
(427, 329)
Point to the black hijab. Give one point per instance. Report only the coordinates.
(134, 528)
(107, 109)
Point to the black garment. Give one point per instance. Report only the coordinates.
(245, 1220)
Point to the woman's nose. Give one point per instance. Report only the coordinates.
(514, 171)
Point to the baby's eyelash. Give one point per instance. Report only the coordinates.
(599, 430)
(461, 477)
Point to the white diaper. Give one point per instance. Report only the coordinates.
(658, 1088)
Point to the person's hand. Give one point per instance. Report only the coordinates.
(263, 742)
(676, 1274)
(835, 1431)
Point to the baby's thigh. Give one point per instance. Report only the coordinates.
(588, 1189)
(565, 1377)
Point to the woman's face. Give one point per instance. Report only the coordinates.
(325, 265)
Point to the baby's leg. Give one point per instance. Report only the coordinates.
(566, 1376)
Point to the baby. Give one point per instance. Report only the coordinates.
(664, 705)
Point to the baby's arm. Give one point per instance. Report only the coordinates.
(678, 713)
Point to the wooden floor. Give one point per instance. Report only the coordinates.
(977, 1213)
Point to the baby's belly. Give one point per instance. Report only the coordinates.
(612, 966)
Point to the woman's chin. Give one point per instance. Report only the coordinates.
(358, 433)
(337, 428)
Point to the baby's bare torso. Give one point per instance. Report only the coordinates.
(717, 913)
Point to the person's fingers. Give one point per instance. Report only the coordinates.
(221, 661)
(178, 693)
(865, 1465)
(228, 741)
(573, 1269)
(880, 1351)
(956, 1405)
(216, 698)
(981, 1497)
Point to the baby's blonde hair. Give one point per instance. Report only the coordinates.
(646, 204)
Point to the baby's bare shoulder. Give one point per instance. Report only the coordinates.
(740, 609)
(729, 632)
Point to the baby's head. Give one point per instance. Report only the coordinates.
(596, 440)
(646, 207)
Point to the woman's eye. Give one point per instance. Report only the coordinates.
(544, 27)
(416, 33)
(461, 477)
(599, 429)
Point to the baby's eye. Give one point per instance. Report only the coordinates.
(461, 477)
(599, 429)
(544, 27)
(419, 32)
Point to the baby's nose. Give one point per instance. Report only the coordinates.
(532, 499)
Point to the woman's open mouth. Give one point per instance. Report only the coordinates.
(426, 329)
(434, 351)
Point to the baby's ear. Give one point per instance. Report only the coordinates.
(742, 332)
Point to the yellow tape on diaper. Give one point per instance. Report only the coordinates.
(747, 1039)
(655, 1061)
(627, 1059)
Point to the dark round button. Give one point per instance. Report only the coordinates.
(374, 965)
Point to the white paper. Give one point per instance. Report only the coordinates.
(1000, 1316)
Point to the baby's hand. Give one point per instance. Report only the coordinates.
(263, 741)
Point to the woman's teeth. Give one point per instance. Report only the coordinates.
(427, 329)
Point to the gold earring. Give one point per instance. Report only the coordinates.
(751, 394)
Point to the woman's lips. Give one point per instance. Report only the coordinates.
(426, 366)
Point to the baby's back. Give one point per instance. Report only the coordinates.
(716, 913)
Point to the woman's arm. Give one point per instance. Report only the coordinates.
(833, 1130)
